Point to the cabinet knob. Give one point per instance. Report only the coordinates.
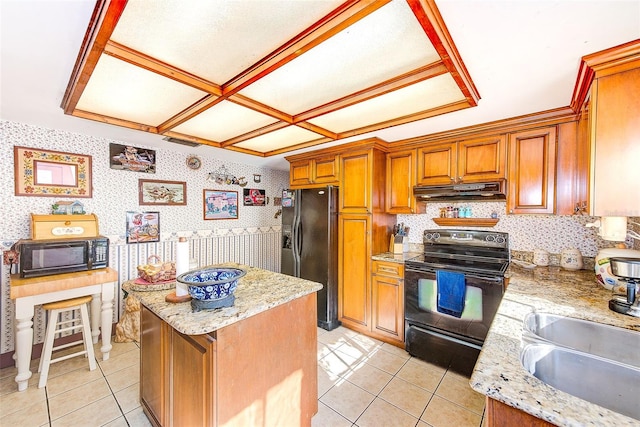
(511, 211)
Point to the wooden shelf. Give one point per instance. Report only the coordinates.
(469, 222)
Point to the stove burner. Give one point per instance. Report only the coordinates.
(473, 251)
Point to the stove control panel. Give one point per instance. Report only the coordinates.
(466, 238)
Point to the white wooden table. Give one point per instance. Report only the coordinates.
(28, 293)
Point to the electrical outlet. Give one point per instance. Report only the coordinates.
(10, 257)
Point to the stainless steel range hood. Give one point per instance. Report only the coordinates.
(484, 191)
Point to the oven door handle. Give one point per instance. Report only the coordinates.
(497, 279)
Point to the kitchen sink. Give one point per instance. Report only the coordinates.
(610, 342)
(604, 382)
(589, 360)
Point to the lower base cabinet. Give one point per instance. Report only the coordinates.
(259, 371)
(387, 301)
(500, 415)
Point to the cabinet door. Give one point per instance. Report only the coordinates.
(193, 379)
(300, 173)
(387, 309)
(482, 159)
(532, 171)
(616, 144)
(437, 164)
(326, 170)
(354, 270)
(401, 178)
(355, 187)
(154, 368)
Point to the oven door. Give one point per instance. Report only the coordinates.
(483, 295)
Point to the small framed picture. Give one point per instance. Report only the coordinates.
(220, 204)
(253, 197)
(155, 192)
(129, 158)
(143, 227)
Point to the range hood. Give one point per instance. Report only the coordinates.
(482, 191)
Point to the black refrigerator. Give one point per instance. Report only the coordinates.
(310, 245)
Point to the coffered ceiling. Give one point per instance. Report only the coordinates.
(522, 56)
(266, 77)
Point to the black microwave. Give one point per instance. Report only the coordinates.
(56, 256)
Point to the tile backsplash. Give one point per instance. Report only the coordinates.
(553, 233)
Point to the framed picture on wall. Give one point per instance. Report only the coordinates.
(129, 158)
(155, 192)
(143, 227)
(220, 204)
(253, 197)
(45, 173)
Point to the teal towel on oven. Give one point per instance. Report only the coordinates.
(451, 292)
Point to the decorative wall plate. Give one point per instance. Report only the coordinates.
(194, 162)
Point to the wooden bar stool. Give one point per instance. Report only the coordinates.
(73, 325)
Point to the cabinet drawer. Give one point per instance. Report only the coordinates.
(388, 269)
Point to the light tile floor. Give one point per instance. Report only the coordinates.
(362, 382)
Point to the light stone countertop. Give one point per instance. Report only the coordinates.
(498, 373)
(397, 258)
(259, 290)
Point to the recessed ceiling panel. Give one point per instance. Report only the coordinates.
(124, 91)
(426, 95)
(381, 46)
(223, 121)
(282, 138)
(215, 39)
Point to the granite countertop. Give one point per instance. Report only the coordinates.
(259, 290)
(498, 373)
(397, 258)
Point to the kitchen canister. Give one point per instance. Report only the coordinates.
(571, 259)
(540, 257)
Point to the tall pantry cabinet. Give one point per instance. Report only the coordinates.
(363, 228)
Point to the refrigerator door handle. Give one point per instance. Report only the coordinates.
(297, 249)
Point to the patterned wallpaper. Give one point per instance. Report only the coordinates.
(115, 191)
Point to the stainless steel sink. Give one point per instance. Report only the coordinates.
(617, 344)
(612, 385)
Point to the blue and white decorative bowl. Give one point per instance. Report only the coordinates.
(211, 283)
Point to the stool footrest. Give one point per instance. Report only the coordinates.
(71, 344)
(69, 356)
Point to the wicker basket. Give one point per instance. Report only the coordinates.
(158, 271)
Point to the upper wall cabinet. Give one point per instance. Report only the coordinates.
(315, 172)
(472, 160)
(615, 145)
(607, 94)
(532, 171)
(401, 178)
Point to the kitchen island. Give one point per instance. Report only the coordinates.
(250, 364)
(515, 397)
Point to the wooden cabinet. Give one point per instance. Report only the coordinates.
(615, 143)
(358, 183)
(257, 371)
(354, 266)
(387, 300)
(401, 178)
(363, 229)
(319, 171)
(532, 171)
(154, 367)
(175, 374)
(470, 160)
(500, 415)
